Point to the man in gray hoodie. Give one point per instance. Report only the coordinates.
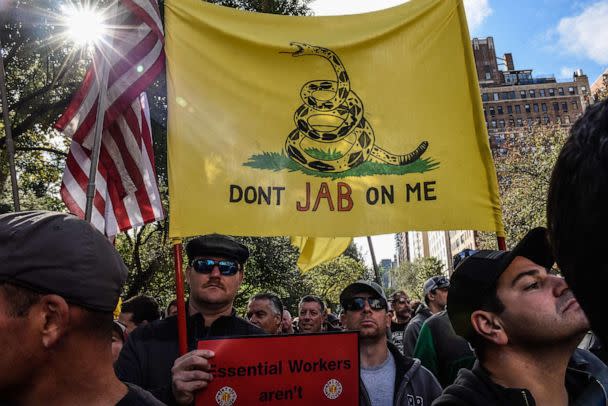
(387, 377)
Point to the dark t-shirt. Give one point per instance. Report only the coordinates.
(397, 330)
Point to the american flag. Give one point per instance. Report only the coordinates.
(127, 194)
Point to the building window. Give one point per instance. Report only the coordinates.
(556, 107)
(517, 109)
(527, 108)
(558, 119)
(520, 123)
(529, 121)
(504, 95)
(512, 95)
(501, 123)
(511, 122)
(546, 119)
(535, 107)
(485, 97)
(541, 92)
(488, 76)
(493, 124)
(499, 110)
(509, 109)
(560, 91)
(551, 92)
(543, 107)
(567, 119)
(522, 94)
(564, 106)
(496, 98)
(574, 105)
(571, 90)
(532, 93)
(492, 112)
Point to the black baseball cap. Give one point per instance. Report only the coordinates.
(474, 279)
(58, 253)
(218, 245)
(362, 286)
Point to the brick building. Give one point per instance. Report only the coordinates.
(515, 98)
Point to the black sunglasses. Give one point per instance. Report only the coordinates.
(227, 267)
(358, 303)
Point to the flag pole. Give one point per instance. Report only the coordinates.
(374, 263)
(502, 245)
(102, 82)
(10, 146)
(181, 301)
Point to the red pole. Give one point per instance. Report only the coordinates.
(181, 301)
(502, 245)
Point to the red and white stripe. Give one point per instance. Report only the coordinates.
(126, 191)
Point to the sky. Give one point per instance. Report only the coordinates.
(549, 36)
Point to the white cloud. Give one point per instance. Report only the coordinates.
(477, 10)
(566, 72)
(586, 34)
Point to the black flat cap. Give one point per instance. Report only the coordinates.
(61, 254)
(217, 245)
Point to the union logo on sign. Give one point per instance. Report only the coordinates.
(225, 396)
(332, 389)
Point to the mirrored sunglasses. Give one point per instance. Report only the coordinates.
(358, 303)
(227, 267)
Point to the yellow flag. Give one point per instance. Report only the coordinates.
(325, 126)
(316, 250)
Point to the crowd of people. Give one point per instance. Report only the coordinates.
(504, 329)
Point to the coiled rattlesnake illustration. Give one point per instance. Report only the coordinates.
(345, 107)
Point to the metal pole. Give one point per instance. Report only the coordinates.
(374, 263)
(102, 82)
(10, 146)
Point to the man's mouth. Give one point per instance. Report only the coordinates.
(570, 304)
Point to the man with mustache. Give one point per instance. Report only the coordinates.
(150, 358)
(387, 377)
(524, 324)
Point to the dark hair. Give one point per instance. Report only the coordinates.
(275, 302)
(577, 215)
(398, 294)
(19, 300)
(143, 308)
(171, 303)
(312, 298)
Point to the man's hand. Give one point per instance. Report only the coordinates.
(189, 374)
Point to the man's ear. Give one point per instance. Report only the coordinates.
(54, 313)
(343, 318)
(388, 320)
(489, 326)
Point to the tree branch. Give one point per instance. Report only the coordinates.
(51, 150)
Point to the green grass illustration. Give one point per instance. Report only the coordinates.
(276, 161)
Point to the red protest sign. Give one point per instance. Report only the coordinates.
(319, 369)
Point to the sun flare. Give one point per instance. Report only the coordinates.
(85, 25)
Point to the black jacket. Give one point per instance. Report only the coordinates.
(475, 387)
(414, 384)
(148, 355)
(413, 329)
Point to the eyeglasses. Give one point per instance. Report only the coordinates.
(358, 303)
(227, 267)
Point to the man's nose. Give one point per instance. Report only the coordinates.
(559, 285)
(215, 271)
